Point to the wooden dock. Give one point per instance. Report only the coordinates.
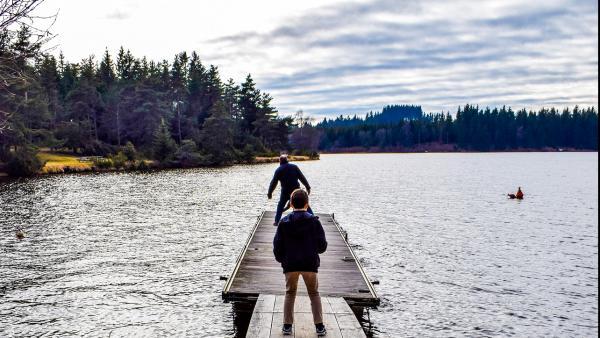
(257, 272)
(338, 318)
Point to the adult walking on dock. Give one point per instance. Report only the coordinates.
(288, 174)
(299, 240)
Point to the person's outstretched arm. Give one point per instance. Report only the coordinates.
(278, 245)
(303, 180)
(321, 240)
(273, 184)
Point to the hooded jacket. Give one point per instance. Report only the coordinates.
(299, 240)
(288, 174)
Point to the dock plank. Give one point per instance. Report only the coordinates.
(340, 323)
(261, 324)
(349, 326)
(265, 303)
(276, 328)
(338, 305)
(331, 324)
(303, 325)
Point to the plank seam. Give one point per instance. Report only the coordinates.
(272, 317)
(336, 318)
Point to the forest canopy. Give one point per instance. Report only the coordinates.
(176, 112)
(471, 128)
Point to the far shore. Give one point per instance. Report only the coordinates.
(438, 150)
(366, 152)
(62, 163)
(65, 163)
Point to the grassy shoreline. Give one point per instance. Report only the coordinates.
(64, 163)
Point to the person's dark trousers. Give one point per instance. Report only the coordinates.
(283, 199)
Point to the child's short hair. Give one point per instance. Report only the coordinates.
(299, 199)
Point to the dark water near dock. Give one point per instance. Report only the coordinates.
(126, 254)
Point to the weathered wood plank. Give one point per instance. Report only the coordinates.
(339, 306)
(262, 317)
(326, 305)
(302, 305)
(277, 325)
(333, 330)
(340, 324)
(349, 326)
(279, 300)
(265, 303)
(260, 325)
(303, 325)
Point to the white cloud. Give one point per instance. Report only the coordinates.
(118, 15)
(356, 56)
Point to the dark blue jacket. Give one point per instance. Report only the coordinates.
(299, 240)
(288, 174)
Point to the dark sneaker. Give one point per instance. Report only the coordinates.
(321, 331)
(287, 329)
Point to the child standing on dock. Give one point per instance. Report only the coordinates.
(299, 240)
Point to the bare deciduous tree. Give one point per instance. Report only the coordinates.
(301, 120)
(306, 137)
(18, 12)
(13, 14)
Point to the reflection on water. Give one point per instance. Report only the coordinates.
(129, 253)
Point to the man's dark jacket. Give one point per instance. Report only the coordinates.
(288, 174)
(299, 240)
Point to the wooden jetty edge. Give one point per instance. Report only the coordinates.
(341, 275)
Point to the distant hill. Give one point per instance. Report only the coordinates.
(390, 114)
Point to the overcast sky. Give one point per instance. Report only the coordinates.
(334, 57)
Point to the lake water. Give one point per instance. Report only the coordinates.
(141, 254)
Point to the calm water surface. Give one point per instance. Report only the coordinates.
(141, 254)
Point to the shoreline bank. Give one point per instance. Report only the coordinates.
(82, 164)
(61, 163)
(450, 151)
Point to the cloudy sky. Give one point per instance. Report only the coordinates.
(334, 57)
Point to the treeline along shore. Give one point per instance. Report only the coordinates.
(127, 110)
(129, 113)
(470, 128)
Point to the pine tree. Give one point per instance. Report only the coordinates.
(24, 50)
(125, 63)
(231, 93)
(249, 101)
(49, 79)
(106, 73)
(214, 89)
(196, 91)
(141, 112)
(69, 73)
(88, 71)
(85, 106)
(217, 135)
(163, 145)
